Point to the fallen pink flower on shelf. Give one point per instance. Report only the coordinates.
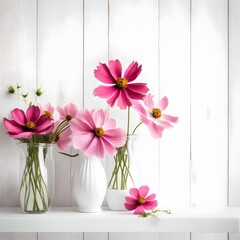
(120, 89)
(139, 201)
(152, 115)
(96, 134)
(25, 125)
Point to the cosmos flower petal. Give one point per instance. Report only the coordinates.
(124, 100)
(169, 118)
(109, 148)
(33, 113)
(18, 116)
(163, 103)
(26, 135)
(139, 107)
(87, 117)
(95, 148)
(112, 100)
(115, 68)
(103, 74)
(132, 71)
(110, 123)
(134, 193)
(149, 205)
(104, 91)
(130, 200)
(12, 126)
(138, 87)
(151, 197)
(81, 142)
(139, 210)
(116, 137)
(99, 118)
(155, 130)
(143, 191)
(148, 100)
(130, 207)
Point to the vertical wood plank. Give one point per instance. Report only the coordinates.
(174, 68)
(17, 66)
(174, 236)
(95, 51)
(60, 236)
(209, 236)
(130, 236)
(60, 48)
(96, 236)
(18, 236)
(234, 103)
(134, 37)
(209, 105)
(234, 236)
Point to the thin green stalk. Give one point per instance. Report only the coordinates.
(136, 127)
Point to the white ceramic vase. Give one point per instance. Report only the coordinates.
(116, 199)
(89, 185)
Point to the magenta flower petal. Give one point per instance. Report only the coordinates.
(115, 68)
(139, 210)
(112, 100)
(133, 94)
(134, 192)
(155, 130)
(33, 113)
(103, 74)
(87, 117)
(130, 200)
(104, 91)
(12, 126)
(130, 207)
(95, 148)
(143, 191)
(151, 197)
(64, 141)
(120, 89)
(132, 71)
(25, 135)
(123, 100)
(150, 205)
(18, 116)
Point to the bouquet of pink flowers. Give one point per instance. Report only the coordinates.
(126, 93)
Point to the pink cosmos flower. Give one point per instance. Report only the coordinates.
(68, 112)
(120, 89)
(47, 109)
(139, 201)
(96, 134)
(63, 140)
(152, 115)
(25, 125)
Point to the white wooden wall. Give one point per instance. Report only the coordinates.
(190, 52)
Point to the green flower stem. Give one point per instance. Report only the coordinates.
(136, 127)
(33, 184)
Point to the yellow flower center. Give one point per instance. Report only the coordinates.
(156, 112)
(68, 117)
(141, 200)
(30, 125)
(48, 114)
(99, 132)
(121, 82)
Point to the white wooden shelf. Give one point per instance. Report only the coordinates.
(70, 220)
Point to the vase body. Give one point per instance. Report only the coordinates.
(89, 185)
(124, 175)
(37, 177)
